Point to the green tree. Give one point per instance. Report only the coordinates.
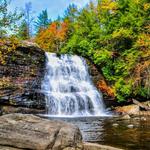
(23, 31)
(71, 13)
(8, 20)
(42, 21)
(115, 36)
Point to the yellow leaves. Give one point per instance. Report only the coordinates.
(4, 82)
(121, 32)
(2, 61)
(145, 53)
(102, 56)
(109, 5)
(136, 1)
(146, 6)
(7, 46)
(143, 40)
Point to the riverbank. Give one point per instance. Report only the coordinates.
(18, 132)
(117, 131)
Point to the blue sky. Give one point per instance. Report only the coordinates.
(54, 7)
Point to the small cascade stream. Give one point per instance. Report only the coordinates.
(68, 89)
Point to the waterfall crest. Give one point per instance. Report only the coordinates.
(68, 88)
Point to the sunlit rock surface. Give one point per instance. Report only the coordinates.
(30, 132)
(20, 78)
(93, 146)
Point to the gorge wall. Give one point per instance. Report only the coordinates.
(20, 80)
(21, 76)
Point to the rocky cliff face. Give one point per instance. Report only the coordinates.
(21, 76)
(101, 84)
(20, 80)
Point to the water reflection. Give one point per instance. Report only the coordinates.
(101, 130)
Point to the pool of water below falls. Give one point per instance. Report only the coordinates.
(103, 130)
(69, 91)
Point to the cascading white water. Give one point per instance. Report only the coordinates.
(68, 88)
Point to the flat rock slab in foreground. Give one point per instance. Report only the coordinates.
(92, 146)
(18, 131)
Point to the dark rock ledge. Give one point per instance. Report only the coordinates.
(20, 80)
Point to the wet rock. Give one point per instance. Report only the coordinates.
(125, 117)
(143, 118)
(115, 124)
(130, 126)
(136, 118)
(130, 110)
(144, 113)
(147, 103)
(24, 110)
(93, 146)
(21, 77)
(8, 148)
(18, 131)
(98, 79)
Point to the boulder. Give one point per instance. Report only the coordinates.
(18, 131)
(130, 109)
(125, 117)
(93, 146)
(115, 124)
(8, 148)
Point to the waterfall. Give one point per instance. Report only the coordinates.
(68, 89)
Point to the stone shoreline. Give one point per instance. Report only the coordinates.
(20, 131)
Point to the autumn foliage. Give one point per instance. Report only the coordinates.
(113, 35)
(102, 85)
(52, 38)
(7, 46)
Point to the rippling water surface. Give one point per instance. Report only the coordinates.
(102, 130)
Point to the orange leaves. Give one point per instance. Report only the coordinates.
(62, 31)
(106, 89)
(59, 31)
(51, 38)
(144, 40)
(52, 29)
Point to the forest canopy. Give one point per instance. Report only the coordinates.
(113, 34)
